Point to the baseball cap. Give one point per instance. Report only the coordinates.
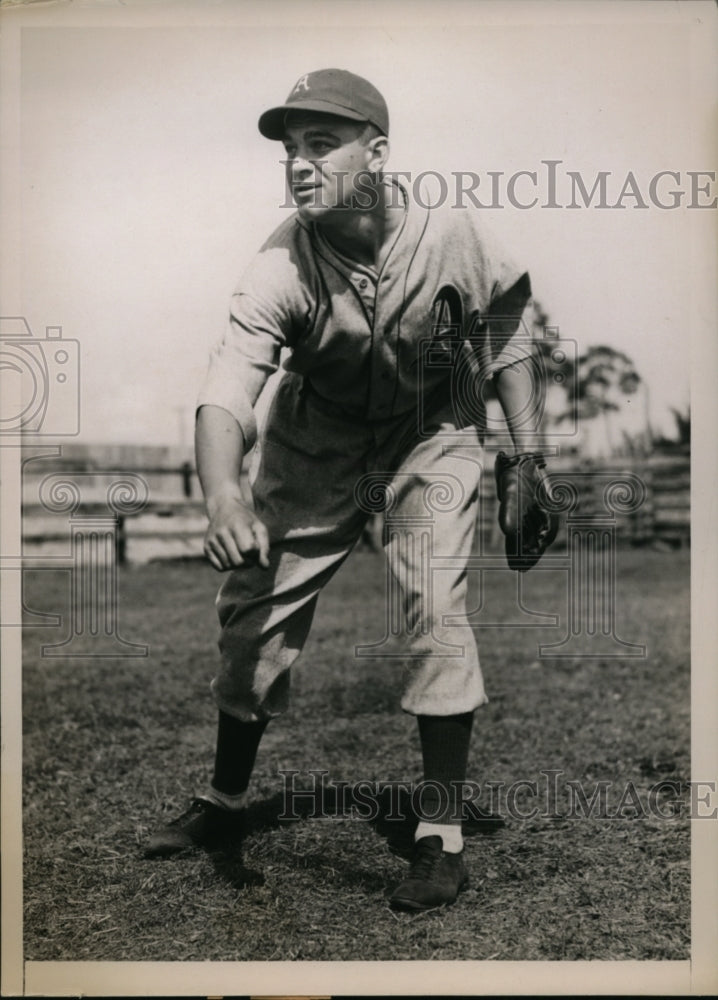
(334, 92)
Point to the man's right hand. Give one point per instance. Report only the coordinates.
(235, 536)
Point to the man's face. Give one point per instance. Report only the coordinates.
(326, 158)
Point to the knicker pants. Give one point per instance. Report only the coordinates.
(318, 478)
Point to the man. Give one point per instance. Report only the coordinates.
(381, 302)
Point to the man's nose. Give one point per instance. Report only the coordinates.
(301, 169)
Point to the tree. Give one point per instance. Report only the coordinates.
(603, 384)
(599, 389)
(682, 441)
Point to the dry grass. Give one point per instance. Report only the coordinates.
(113, 747)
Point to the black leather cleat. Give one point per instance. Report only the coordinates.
(202, 825)
(435, 878)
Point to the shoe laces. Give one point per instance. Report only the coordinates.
(425, 861)
(197, 807)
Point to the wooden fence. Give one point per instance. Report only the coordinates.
(170, 523)
(651, 498)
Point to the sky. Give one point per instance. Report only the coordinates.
(145, 188)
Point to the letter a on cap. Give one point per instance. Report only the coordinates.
(328, 91)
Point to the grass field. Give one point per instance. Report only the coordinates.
(114, 747)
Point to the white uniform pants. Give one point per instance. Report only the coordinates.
(318, 477)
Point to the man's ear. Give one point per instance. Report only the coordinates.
(378, 153)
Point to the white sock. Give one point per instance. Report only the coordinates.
(450, 834)
(232, 802)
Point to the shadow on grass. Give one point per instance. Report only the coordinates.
(228, 862)
(389, 813)
(396, 820)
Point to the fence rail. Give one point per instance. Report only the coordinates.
(171, 522)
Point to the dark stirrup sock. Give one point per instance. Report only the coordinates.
(445, 751)
(237, 744)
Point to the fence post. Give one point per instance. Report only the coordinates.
(186, 473)
(592, 573)
(94, 613)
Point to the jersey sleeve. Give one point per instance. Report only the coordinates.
(510, 317)
(506, 336)
(265, 313)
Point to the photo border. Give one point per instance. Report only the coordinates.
(699, 976)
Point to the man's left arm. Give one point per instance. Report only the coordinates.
(518, 387)
(529, 527)
(505, 353)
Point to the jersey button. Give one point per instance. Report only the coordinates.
(363, 283)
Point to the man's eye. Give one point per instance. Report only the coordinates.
(320, 147)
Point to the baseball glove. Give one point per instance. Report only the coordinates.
(521, 486)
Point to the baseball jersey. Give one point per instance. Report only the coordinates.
(371, 341)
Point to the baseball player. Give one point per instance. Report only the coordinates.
(379, 303)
